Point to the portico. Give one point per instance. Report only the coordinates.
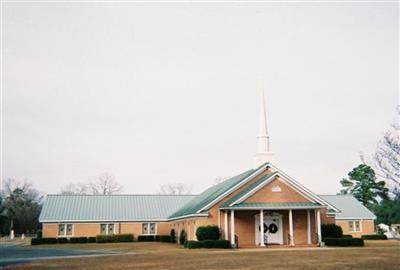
(267, 224)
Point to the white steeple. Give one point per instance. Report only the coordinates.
(263, 154)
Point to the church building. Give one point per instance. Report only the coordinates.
(259, 207)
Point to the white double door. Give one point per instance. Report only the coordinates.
(273, 229)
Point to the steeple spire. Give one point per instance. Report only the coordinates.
(263, 154)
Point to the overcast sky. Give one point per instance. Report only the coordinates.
(163, 93)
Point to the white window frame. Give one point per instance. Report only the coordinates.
(65, 225)
(107, 226)
(148, 230)
(354, 225)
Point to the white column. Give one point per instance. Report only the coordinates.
(232, 227)
(262, 228)
(226, 225)
(291, 228)
(319, 225)
(308, 227)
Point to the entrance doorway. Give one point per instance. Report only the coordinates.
(273, 228)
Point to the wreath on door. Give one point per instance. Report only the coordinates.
(273, 228)
(265, 228)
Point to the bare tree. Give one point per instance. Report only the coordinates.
(387, 155)
(175, 189)
(105, 184)
(71, 189)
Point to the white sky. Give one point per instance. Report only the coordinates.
(161, 93)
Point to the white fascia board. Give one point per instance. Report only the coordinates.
(357, 218)
(274, 208)
(188, 216)
(238, 185)
(99, 220)
(306, 190)
(255, 189)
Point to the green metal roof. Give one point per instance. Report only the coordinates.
(193, 206)
(349, 206)
(246, 190)
(275, 205)
(58, 208)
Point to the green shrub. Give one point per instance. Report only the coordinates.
(165, 238)
(124, 237)
(76, 240)
(347, 236)
(374, 237)
(172, 234)
(331, 230)
(209, 232)
(194, 244)
(222, 244)
(330, 241)
(49, 240)
(182, 237)
(39, 234)
(146, 238)
(207, 243)
(91, 239)
(344, 242)
(185, 244)
(62, 240)
(355, 242)
(128, 237)
(102, 238)
(36, 241)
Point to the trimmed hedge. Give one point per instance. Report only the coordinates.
(112, 238)
(82, 240)
(207, 244)
(78, 240)
(374, 237)
(209, 232)
(146, 238)
(91, 239)
(343, 242)
(165, 238)
(62, 240)
(36, 241)
(222, 244)
(49, 240)
(193, 244)
(347, 236)
(39, 233)
(331, 230)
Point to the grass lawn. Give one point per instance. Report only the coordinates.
(375, 255)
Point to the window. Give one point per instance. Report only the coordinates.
(61, 229)
(110, 228)
(69, 229)
(65, 229)
(107, 228)
(355, 226)
(148, 228)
